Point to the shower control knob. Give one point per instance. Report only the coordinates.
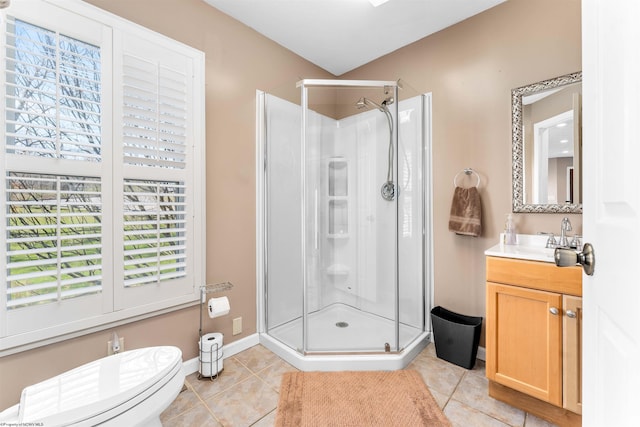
(388, 191)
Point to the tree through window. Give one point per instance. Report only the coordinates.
(53, 108)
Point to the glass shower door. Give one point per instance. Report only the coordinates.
(350, 252)
(344, 267)
(283, 225)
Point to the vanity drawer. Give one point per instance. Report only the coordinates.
(536, 275)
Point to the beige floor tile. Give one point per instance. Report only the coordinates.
(256, 358)
(272, 375)
(246, 393)
(472, 391)
(197, 416)
(268, 420)
(233, 373)
(462, 415)
(441, 399)
(429, 351)
(185, 400)
(479, 368)
(244, 403)
(437, 374)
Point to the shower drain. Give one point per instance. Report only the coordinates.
(342, 324)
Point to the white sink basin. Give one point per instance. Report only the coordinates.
(530, 247)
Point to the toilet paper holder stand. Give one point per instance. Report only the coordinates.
(204, 290)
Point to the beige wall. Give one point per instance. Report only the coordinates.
(470, 69)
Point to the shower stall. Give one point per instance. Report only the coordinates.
(344, 224)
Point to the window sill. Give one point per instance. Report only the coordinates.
(12, 345)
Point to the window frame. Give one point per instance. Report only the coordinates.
(114, 305)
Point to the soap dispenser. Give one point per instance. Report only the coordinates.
(510, 231)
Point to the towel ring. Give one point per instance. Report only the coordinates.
(466, 171)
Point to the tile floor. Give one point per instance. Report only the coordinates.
(246, 394)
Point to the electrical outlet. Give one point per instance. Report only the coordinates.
(237, 325)
(110, 346)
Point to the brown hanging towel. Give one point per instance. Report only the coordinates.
(466, 212)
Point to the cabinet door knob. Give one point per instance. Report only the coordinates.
(554, 311)
(571, 314)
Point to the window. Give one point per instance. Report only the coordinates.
(53, 94)
(154, 232)
(53, 238)
(103, 141)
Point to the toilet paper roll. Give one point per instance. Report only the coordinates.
(211, 354)
(218, 307)
(208, 342)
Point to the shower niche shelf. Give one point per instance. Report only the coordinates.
(338, 169)
(338, 192)
(338, 218)
(338, 270)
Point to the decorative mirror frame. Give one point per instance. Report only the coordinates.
(517, 160)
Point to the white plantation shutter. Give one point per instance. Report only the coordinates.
(155, 234)
(52, 197)
(155, 110)
(103, 136)
(53, 94)
(157, 221)
(53, 112)
(54, 236)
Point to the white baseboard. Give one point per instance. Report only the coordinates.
(190, 366)
(482, 354)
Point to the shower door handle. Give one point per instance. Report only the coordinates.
(315, 220)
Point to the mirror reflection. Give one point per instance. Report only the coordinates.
(547, 146)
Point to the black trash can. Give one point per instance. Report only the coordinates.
(456, 336)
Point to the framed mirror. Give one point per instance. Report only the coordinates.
(547, 145)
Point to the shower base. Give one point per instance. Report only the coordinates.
(345, 335)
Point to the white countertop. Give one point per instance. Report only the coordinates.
(530, 247)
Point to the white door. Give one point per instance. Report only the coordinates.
(611, 126)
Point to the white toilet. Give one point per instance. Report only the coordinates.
(127, 389)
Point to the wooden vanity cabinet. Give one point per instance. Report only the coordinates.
(532, 346)
(572, 354)
(525, 341)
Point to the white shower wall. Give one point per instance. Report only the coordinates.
(349, 261)
(368, 251)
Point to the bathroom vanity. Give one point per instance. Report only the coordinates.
(533, 331)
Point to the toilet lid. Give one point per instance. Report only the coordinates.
(98, 386)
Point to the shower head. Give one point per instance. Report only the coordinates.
(367, 103)
(388, 190)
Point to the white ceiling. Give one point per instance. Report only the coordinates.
(340, 35)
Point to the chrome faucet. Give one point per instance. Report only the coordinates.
(565, 226)
(552, 243)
